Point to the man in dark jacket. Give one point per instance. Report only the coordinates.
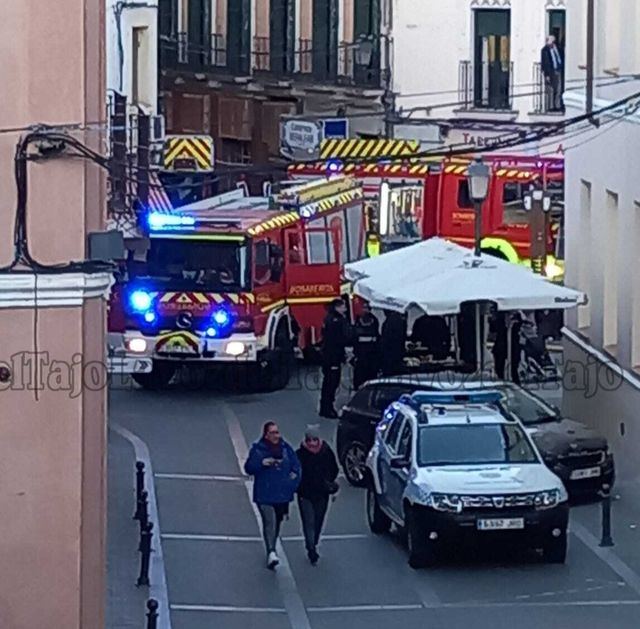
(335, 337)
(393, 343)
(319, 473)
(551, 64)
(366, 347)
(501, 347)
(276, 471)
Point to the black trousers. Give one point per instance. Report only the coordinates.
(312, 514)
(331, 375)
(500, 363)
(364, 368)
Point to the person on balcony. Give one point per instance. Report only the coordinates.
(552, 68)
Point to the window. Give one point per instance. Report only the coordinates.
(282, 35)
(492, 59)
(583, 248)
(387, 395)
(325, 39)
(239, 36)
(194, 265)
(393, 430)
(478, 444)
(235, 152)
(527, 408)
(404, 446)
(262, 264)
(464, 196)
(513, 194)
(360, 401)
(610, 331)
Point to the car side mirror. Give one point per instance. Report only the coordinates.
(399, 463)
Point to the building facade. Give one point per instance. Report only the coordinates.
(602, 339)
(132, 52)
(472, 60)
(233, 68)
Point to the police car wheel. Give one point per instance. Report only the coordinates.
(379, 523)
(421, 552)
(354, 464)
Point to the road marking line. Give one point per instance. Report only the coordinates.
(296, 611)
(157, 574)
(249, 538)
(625, 602)
(207, 477)
(364, 608)
(626, 573)
(228, 608)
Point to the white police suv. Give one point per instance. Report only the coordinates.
(449, 472)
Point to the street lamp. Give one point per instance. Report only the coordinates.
(478, 175)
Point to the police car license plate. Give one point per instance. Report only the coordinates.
(591, 472)
(500, 524)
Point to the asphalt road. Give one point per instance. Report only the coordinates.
(214, 558)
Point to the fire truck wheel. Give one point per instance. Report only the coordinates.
(158, 378)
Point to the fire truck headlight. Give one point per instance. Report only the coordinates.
(211, 332)
(150, 316)
(235, 348)
(137, 345)
(140, 300)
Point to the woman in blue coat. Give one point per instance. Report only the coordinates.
(275, 468)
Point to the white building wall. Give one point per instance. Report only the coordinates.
(603, 241)
(431, 38)
(121, 19)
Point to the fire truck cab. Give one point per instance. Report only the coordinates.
(234, 281)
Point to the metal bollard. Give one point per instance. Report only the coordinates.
(139, 487)
(152, 614)
(606, 540)
(145, 554)
(142, 512)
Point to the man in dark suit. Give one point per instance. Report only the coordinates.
(552, 69)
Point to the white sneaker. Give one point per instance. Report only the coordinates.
(272, 561)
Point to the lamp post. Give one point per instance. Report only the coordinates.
(364, 50)
(478, 175)
(538, 204)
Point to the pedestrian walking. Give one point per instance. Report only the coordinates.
(319, 473)
(336, 336)
(393, 343)
(551, 64)
(366, 348)
(275, 468)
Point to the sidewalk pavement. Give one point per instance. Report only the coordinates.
(126, 603)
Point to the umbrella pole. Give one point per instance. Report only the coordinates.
(479, 352)
(507, 373)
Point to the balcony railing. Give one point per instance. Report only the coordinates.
(178, 52)
(304, 56)
(355, 71)
(486, 85)
(543, 93)
(261, 54)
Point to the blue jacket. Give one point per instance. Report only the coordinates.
(273, 485)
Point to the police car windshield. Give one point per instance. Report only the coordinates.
(476, 444)
(528, 409)
(194, 265)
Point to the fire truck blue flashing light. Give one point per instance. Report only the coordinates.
(140, 301)
(334, 166)
(221, 317)
(158, 221)
(149, 316)
(211, 332)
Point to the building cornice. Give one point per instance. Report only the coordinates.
(477, 4)
(28, 290)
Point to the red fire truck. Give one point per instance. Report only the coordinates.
(234, 281)
(416, 199)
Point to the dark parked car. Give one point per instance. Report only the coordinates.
(577, 454)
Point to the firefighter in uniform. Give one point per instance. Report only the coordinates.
(336, 336)
(366, 347)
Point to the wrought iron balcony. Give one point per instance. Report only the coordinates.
(485, 85)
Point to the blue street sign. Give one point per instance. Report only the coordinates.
(336, 129)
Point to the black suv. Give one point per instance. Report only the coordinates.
(577, 454)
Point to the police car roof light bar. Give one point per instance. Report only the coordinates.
(421, 398)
